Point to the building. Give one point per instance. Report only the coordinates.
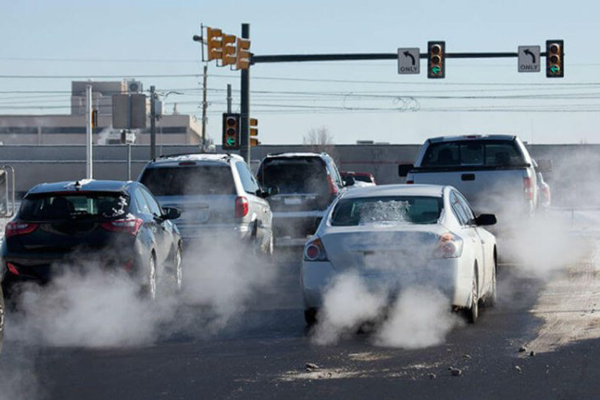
(71, 128)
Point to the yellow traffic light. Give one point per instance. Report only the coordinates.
(229, 49)
(214, 43)
(254, 132)
(242, 59)
(94, 118)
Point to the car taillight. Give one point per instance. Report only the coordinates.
(131, 225)
(13, 270)
(241, 207)
(15, 228)
(449, 246)
(315, 251)
(410, 182)
(333, 190)
(528, 188)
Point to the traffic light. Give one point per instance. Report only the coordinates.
(436, 60)
(229, 50)
(94, 118)
(231, 131)
(242, 59)
(254, 132)
(214, 43)
(554, 59)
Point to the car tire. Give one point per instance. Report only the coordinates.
(178, 269)
(492, 298)
(149, 285)
(2, 315)
(310, 316)
(472, 313)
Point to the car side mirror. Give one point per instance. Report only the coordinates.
(349, 180)
(171, 213)
(272, 190)
(485, 220)
(404, 169)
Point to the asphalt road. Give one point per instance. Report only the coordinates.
(263, 355)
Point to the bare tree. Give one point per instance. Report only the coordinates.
(320, 140)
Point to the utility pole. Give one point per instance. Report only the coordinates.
(204, 105)
(228, 98)
(245, 104)
(89, 170)
(152, 123)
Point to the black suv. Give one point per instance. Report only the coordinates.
(302, 185)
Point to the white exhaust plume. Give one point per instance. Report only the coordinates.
(92, 307)
(346, 306)
(90, 310)
(420, 318)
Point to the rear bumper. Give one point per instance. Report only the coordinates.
(197, 234)
(42, 268)
(294, 228)
(443, 274)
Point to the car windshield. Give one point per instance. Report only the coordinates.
(473, 152)
(67, 206)
(387, 210)
(198, 180)
(295, 175)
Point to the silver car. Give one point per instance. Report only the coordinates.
(218, 196)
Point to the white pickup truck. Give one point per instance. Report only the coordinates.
(494, 172)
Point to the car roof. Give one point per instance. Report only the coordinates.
(296, 154)
(87, 185)
(471, 137)
(395, 190)
(175, 159)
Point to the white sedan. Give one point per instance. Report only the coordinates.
(394, 236)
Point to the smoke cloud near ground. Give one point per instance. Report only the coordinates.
(419, 317)
(87, 306)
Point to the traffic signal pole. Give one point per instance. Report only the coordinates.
(245, 104)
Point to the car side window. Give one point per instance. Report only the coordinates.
(458, 209)
(152, 203)
(465, 205)
(248, 181)
(333, 171)
(142, 204)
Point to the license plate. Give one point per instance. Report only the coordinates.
(196, 215)
(292, 201)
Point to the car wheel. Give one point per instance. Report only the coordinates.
(150, 279)
(310, 316)
(2, 310)
(472, 313)
(492, 297)
(178, 269)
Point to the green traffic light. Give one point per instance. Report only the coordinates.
(230, 141)
(436, 70)
(555, 69)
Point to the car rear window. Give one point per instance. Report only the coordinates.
(295, 175)
(387, 210)
(67, 206)
(181, 181)
(473, 152)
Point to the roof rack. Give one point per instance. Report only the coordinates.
(225, 155)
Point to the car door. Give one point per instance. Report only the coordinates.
(469, 231)
(257, 205)
(486, 239)
(164, 228)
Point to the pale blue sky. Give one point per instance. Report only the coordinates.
(91, 38)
